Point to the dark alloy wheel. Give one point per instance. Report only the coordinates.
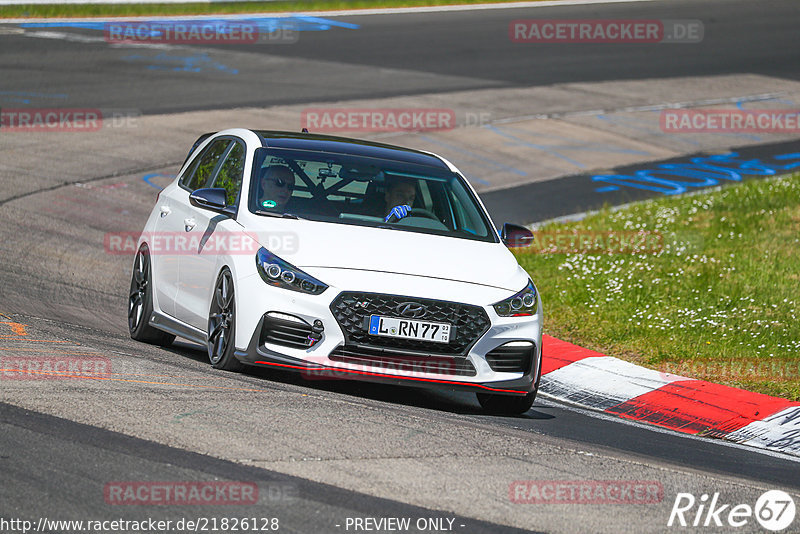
(140, 303)
(222, 325)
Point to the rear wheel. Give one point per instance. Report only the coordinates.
(222, 325)
(140, 303)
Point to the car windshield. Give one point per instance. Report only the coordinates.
(365, 191)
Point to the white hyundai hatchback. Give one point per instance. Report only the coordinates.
(338, 258)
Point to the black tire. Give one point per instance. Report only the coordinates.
(222, 325)
(140, 303)
(506, 404)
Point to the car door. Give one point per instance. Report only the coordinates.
(173, 209)
(210, 236)
(177, 215)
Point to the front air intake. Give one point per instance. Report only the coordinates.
(512, 357)
(287, 331)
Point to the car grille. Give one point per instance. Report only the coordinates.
(284, 332)
(352, 311)
(382, 359)
(509, 358)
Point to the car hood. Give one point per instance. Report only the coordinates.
(311, 244)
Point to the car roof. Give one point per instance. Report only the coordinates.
(345, 145)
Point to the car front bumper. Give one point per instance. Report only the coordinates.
(273, 328)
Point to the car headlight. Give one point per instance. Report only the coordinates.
(523, 303)
(279, 273)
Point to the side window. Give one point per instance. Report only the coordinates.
(198, 176)
(230, 173)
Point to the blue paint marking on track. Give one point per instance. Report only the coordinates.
(197, 63)
(793, 155)
(473, 178)
(147, 177)
(265, 24)
(27, 97)
(322, 23)
(703, 171)
(784, 101)
(193, 63)
(92, 25)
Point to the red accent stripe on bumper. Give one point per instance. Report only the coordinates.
(394, 377)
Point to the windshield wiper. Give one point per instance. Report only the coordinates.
(280, 215)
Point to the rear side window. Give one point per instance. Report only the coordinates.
(201, 170)
(230, 173)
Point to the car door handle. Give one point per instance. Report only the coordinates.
(165, 211)
(189, 224)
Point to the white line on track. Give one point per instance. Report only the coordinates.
(472, 7)
(342, 13)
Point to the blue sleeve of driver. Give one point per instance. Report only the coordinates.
(399, 212)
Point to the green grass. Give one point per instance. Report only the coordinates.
(141, 10)
(718, 301)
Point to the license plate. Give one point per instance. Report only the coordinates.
(409, 329)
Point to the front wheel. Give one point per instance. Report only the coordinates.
(506, 404)
(222, 325)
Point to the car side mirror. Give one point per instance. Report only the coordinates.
(210, 198)
(515, 236)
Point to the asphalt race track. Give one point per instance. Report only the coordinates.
(318, 452)
(409, 54)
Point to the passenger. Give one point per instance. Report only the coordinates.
(276, 184)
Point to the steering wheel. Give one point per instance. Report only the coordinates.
(414, 212)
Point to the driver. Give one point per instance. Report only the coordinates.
(276, 184)
(399, 196)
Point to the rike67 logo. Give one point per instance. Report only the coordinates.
(774, 510)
